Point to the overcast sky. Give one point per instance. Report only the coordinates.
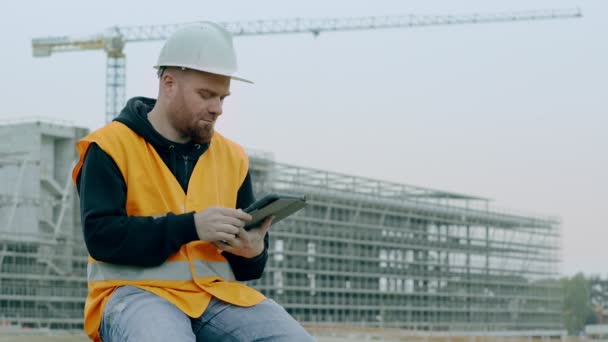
(513, 111)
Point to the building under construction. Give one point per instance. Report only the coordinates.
(363, 252)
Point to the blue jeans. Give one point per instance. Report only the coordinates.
(133, 315)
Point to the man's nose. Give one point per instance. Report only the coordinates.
(215, 108)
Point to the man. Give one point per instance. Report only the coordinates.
(159, 190)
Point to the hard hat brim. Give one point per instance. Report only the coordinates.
(238, 78)
(209, 70)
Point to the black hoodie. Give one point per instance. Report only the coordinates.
(112, 236)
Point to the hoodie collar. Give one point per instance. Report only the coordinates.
(135, 116)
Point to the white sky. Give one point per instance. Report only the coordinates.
(513, 111)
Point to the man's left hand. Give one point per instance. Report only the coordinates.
(248, 243)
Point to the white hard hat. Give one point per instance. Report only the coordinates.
(205, 47)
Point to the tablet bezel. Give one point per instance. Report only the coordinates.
(278, 205)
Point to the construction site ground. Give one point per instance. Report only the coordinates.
(344, 338)
(322, 334)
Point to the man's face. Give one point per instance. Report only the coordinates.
(196, 102)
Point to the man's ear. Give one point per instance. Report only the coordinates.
(167, 83)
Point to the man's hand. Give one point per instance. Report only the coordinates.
(220, 224)
(247, 243)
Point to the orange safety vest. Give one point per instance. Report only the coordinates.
(191, 276)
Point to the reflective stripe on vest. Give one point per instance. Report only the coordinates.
(170, 270)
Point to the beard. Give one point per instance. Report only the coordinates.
(189, 125)
(201, 132)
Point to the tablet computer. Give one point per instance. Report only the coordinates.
(278, 205)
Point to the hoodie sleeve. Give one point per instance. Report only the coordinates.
(109, 233)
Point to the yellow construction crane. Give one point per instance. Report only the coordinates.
(113, 40)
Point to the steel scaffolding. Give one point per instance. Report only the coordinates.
(374, 253)
(42, 256)
(363, 252)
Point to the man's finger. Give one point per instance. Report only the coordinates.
(236, 213)
(233, 221)
(227, 228)
(223, 245)
(263, 229)
(267, 223)
(225, 236)
(241, 215)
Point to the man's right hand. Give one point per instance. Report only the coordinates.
(217, 223)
